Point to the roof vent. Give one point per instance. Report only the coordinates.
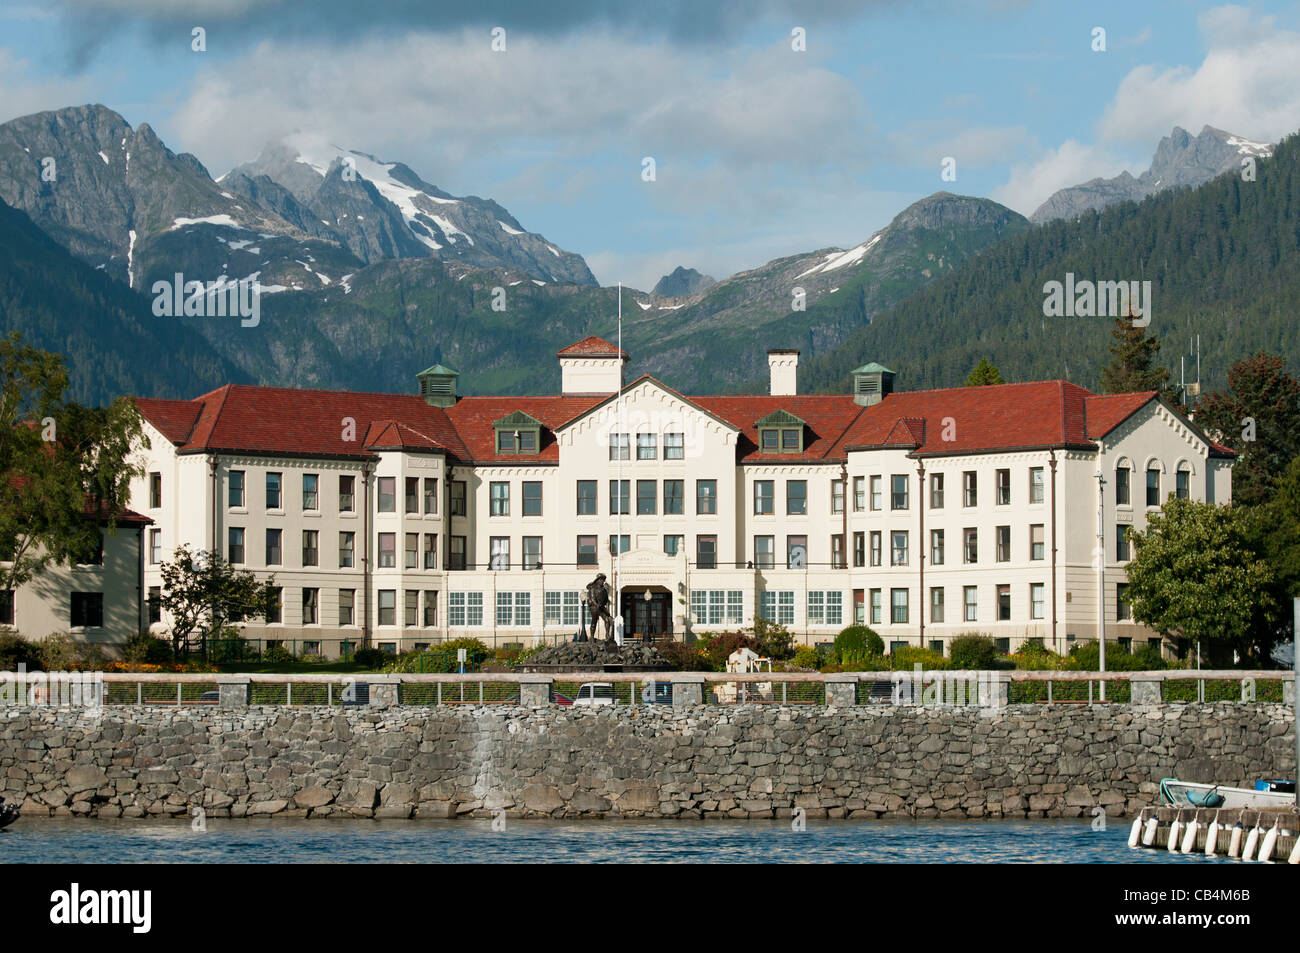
(438, 385)
(872, 383)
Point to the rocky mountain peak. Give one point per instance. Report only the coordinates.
(682, 282)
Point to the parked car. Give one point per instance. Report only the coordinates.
(559, 699)
(209, 698)
(595, 693)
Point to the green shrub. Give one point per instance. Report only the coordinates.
(859, 640)
(1034, 656)
(907, 657)
(368, 658)
(277, 655)
(143, 648)
(863, 662)
(1087, 658)
(15, 651)
(683, 657)
(974, 651)
(774, 640)
(720, 646)
(807, 657)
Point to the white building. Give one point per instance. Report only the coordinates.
(412, 519)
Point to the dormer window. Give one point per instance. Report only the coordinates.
(780, 432)
(518, 433)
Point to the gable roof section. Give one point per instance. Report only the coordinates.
(1105, 412)
(174, 419)
(591, 346)
(825, 419)
(474, 419)
(779, 418)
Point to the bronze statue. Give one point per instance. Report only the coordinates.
(598, 598)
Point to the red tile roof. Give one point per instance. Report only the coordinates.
(827, 417)
(473, 418)
(1105, 413)
(591, 347)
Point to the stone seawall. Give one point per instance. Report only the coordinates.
(749, 761)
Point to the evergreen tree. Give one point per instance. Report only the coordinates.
(985, 373)
(1259, 417)
(1133, 364)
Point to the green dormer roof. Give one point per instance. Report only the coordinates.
(441, 369)
(872, 368)
(517, 421)
(779, 418)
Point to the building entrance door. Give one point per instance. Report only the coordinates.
(644, 618)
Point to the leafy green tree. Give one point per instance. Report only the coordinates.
(1259, 417)
(63, 467)
(983, 374)
(1133, 364)
(205, 595)
(1198, 572)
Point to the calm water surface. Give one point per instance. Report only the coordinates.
(48, 840)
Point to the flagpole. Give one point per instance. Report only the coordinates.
(618, 542)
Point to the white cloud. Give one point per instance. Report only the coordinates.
(22, 95)
(1069, 164)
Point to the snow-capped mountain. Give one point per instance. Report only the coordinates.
(1181, 159)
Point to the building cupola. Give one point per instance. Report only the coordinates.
(591, 366)
(872, 383)
(438, 385)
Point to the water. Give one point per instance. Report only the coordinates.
(75, 840)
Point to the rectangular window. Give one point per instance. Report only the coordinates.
(618, 544)
(532, 552)
(310, 547)
(456, 558)
(87, 610)
(310, 598)
(412, 551)
(647, 496)
(936, 491)
(859, 494)
(936, 547)
(673, 544)
(430, 550)
(1002, 541)
(155, 547)
(796, 552)
(235, 488)
(970, 603)
(532, 498)
(764, 502)
(1153, 487)
(458, 506)
(796, 497)
(647, 446)
(717, 606)
(310, 498)
(859, 607)
(898, 549)
(430, 496)
(235, 545)
(411, 498)
(970, 486)
(346, 498)
(674, 446)
(825, 608)
(674, 497)
(898, 491)
(936, 604)
(1036, 591)
(898, 607)
(155, 490)
(347, 550)
(1037, 548)
(561, 608)
(1004, 487)
(777, 605)
(1004, 603)
(387, 550)
(499, 550)
(837, 551)
(875, 607)
(765, 552)
(789, 441)
(388, 607)
(1035, 484)
(837, 496)
(273, 501)
(706, 497)
(876, 545)
(274, 548)
(1182, 484)
(859, 549)
(619, 497)
(586, 550)
(1121, 486)
(347, 600)
(275, 608)
(387, 494)
(970, 546)
(1122, 613)
(1121, 542)
(499, 498)
(7, 606)
(618, 447)
(586, 497)
(876, 494)
(430, 608)
(706, 552)
(411, 608)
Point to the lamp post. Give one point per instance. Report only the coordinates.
(648, 627)
(1101, 572)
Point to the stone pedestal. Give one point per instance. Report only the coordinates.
(1145, 691)
(385, 692)
(688, 690)
(234, 692)
(841, 691)
(996, 689)
(1288, 690)
(536, 692)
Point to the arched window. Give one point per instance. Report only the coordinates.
(1123, 482)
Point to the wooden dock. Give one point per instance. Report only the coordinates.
(1246, 820)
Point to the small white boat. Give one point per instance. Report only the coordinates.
(1276, 793)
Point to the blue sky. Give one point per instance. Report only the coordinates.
(760, 151)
